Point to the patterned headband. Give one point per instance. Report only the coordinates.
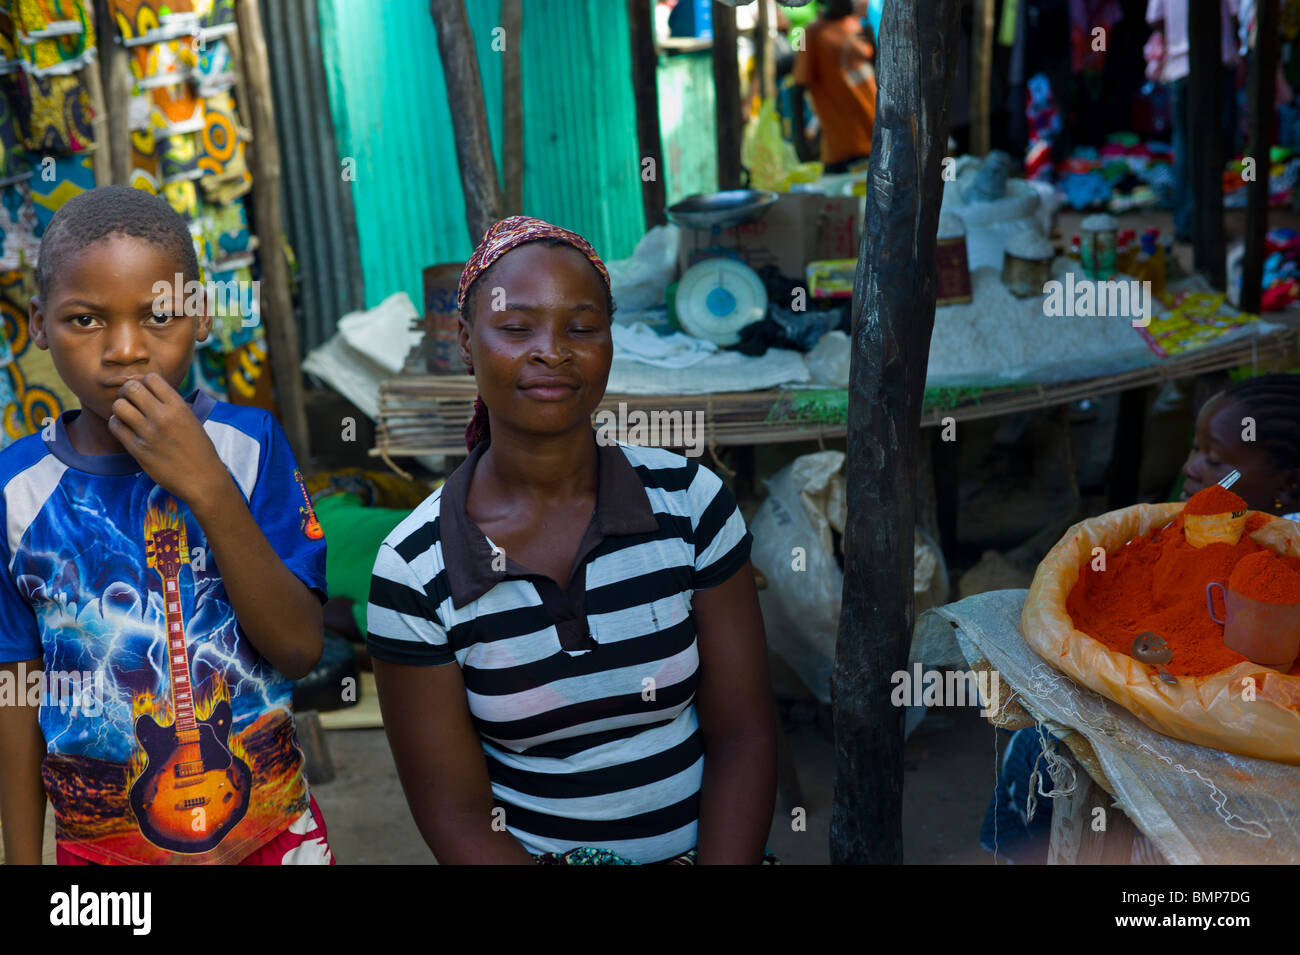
(514, 231)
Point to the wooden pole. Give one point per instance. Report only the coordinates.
(1205, 138)
(645, 91)
(1262, 83)
(893, 317)
(512, 86)
(484, 201)
(981, 77)
(726, 86)
(115, 84)
(277, 299)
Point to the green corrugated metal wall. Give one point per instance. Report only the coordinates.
(391, 116)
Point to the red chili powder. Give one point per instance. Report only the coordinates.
(1214, 500)
(1158, 582)
(1267, 577)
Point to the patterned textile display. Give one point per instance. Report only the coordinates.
(141, 21)
(225, 170)
(179, 158)
(163, 64)
(14, 162)
(9, 58)
(68, 176)
(217, 17)
(38, 393)
(19, 244)
(183, 196)
(223, 235)
(215, 70)
(145, 172)
(57, 114)
(55, 37)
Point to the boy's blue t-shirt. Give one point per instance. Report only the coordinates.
(168, 737)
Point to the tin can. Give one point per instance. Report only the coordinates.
(442, 318)
(1099, 247)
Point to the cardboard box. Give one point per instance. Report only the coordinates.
(800, 227)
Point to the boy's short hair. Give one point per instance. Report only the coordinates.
(113, 210)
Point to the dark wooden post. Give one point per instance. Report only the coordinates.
(277, 297)
(115, 77)
(484, 200)
(1262, 82)
(512, 88)
(645, 91)
(1205, 138)
(981, 77)
(726, 86)
(893, 317)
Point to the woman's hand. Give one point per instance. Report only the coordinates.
(738, 722)
(440, 761)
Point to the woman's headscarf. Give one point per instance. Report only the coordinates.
(496, 242)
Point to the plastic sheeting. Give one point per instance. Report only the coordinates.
(1197, 805)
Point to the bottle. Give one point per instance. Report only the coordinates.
(1076, 250)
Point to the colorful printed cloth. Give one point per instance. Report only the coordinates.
(146, 171)
(217, 18)
(182, 196)
(215, 70)
(163, 64)
(504, 235)
(68, 176)
(153, 21)
(222, 235)
(179, 158)
(588, 855)
(55, 37)
(9, 58)
(226, 176)
(14, 162)
(57, 114)
(39, 394)
(18, 242)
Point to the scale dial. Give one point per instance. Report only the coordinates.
(716, 298)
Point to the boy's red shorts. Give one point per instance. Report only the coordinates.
(303, 843)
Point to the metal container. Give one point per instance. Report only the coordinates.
(1100, 246)
(442, 318)
(1025, 277)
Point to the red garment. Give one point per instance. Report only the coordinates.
(307, 847)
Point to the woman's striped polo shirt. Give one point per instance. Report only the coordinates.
(583, 697)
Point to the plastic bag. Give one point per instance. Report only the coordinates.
(766, 153)
(828, 362)
(640, 281)
(1208, 711)
(793, 548)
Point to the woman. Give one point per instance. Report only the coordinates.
(567, 640)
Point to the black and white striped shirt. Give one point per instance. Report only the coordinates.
(583, 697)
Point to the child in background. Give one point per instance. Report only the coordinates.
(1252, 426)
(159, 567)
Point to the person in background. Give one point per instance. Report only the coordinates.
(1253, 427)
(836, 66)
(1170, 17)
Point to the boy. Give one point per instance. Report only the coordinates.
(159, 566)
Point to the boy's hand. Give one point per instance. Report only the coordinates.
(158, 428)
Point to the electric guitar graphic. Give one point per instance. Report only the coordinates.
(193, 790)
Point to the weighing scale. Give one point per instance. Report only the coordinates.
(717, 297)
